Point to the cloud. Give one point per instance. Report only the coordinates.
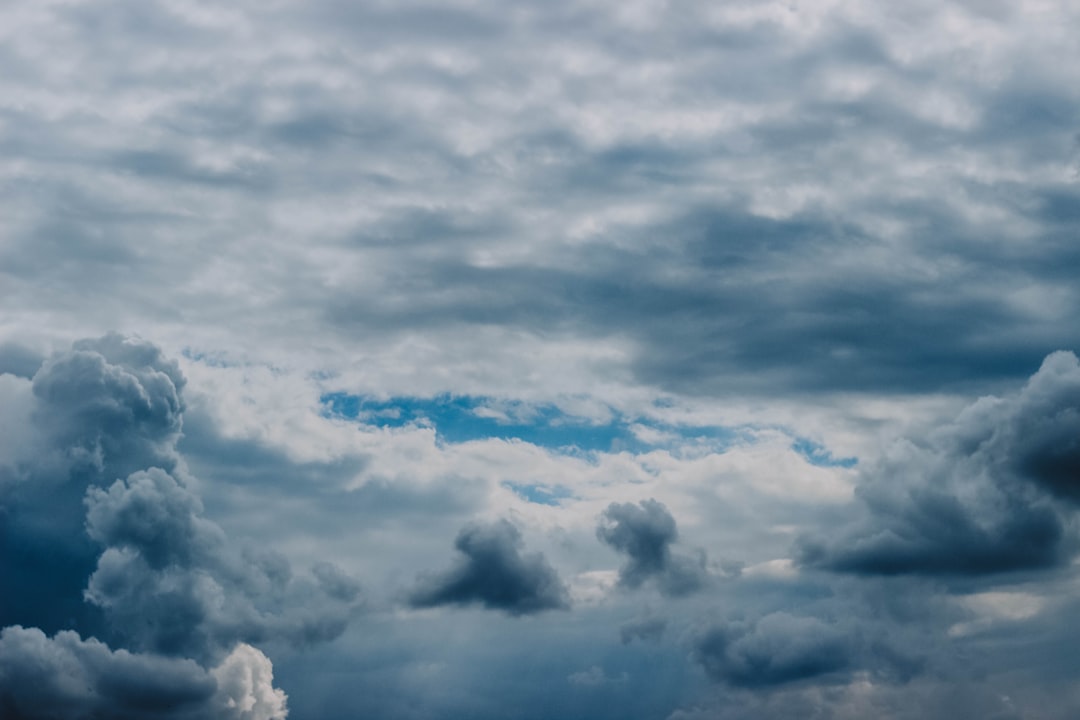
(595, 677)
(991, 492)
(113, 405)
(754, 212)
(686, 183)
(136, 559)
(645, 533)
(152, 514)
(19, 360)
(104, 409)
(245, 686)
(777, 649)
(495, 574)
(649, 629)
(173, 575)
(43, 678)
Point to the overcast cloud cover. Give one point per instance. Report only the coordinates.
(584, 359)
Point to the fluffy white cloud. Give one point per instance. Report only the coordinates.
(245, 686)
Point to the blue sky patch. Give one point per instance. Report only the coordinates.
(819, 455)
(459, 419)
(539, 494)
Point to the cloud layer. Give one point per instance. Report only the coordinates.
(639, 359)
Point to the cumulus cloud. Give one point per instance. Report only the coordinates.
(135, 557)
(68, 677)
(645, 533)
(172, 574)
(245, 686)
(65, 676)
(777, 649)
(494, 573)
(993, 491)
(113, 405)
(104, 409)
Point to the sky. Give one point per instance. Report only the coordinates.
(650, 360)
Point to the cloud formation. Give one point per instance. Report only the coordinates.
(171, 573)
(777, 649)
(685, 235)
(991, 492)
(43, 678)
(494, 573)
(644, 533)
(167, 582)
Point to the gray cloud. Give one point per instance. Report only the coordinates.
(991, 492)
(171, 582)
(19, 360)
(135, 559)
(43, 678)
(494, 573)
(104, 409)
(777, 649)
(645, 533)
(649, 629)
(733, 188)
(113, 405)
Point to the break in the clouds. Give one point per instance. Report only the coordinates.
(642, 359)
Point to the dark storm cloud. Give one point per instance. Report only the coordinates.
(107, 408)
(43, 678)
(134, 559)
(170, 581)
(67, 678)
(994, 491)
(494, 573)
(151, 513)
(112, 405)
(645, 533)
(777, 649)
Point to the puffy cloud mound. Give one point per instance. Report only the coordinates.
(494, 573)
(113, 404)
(66, 677)
(644, 533)
(246, 686)
(43, 678)
(152, 513)
(100, 411)
(102, 531)
(172, 574)
(777, 649)
(989, 493)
